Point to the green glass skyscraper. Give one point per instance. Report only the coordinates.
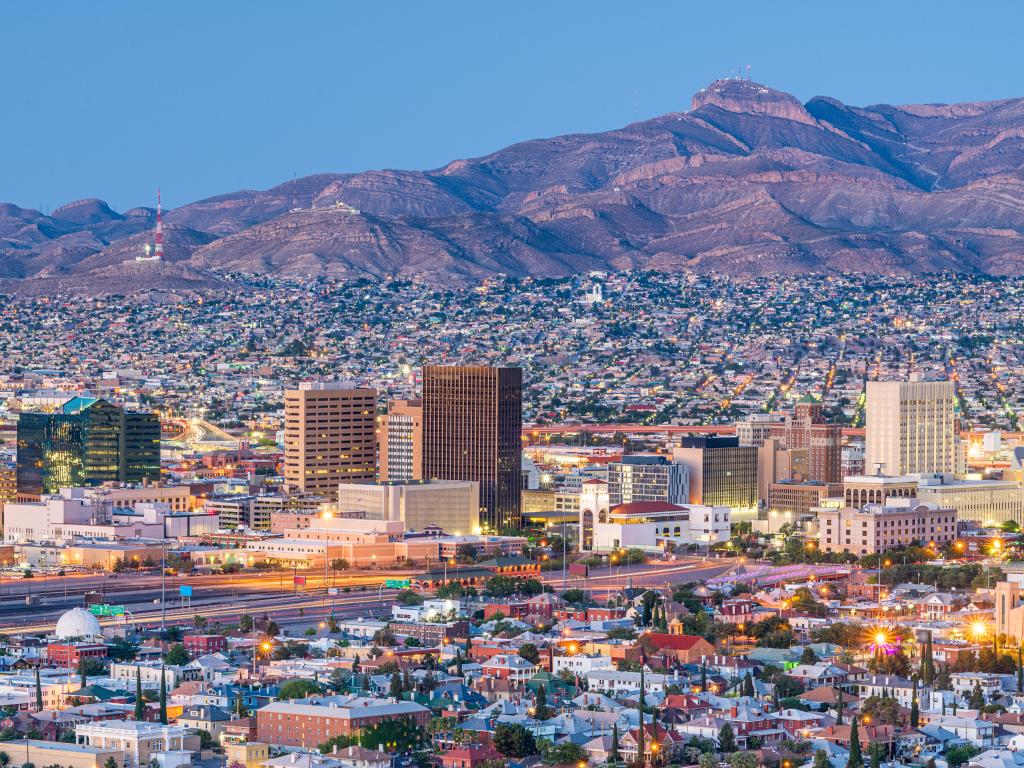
(87, 442)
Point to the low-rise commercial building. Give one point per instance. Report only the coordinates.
(39, 752)
(990, 502)
(314, 721)
(138, 740)
(452, 505)
(877, 528)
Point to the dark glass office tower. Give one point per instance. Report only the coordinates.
(472, 430)
(88, 442)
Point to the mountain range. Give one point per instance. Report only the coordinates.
(749, 181)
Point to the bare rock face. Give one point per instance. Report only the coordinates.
(749, 181)
(746, 97)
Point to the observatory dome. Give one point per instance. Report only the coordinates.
(78, 622)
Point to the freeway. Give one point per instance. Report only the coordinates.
(223, 598)
(220, 597)
(610, 580)
(300, 609)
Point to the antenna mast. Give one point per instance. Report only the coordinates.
(158, 240)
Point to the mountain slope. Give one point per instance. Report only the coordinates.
(748, 181)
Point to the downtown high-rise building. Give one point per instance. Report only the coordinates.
(722, 473)
(401, 441)
(472, 430)
(87, 442)
(330, 437)
(806, 429)
(911, 427)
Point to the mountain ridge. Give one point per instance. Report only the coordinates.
(748, 181)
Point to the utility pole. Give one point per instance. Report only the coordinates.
(163, 584)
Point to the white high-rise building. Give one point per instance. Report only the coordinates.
(910, 428)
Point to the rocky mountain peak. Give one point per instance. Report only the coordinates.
(748, 97)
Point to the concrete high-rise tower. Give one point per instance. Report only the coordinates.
(329, 437)
(472, 430)
(911, 427)
(401, 441)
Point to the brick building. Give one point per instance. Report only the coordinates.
(314, 721)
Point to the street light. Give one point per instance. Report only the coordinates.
(325, 516)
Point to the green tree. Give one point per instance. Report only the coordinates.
(821, 759)
(883, 710)
(403, 733)
(177, 656)
(529, 652)
(408, 597)
(110, 762)
(707, 760)
(613, 753)
(513, 740)
(927, 662)
(565, 753)
(876, 753)
(855, 760)
(977, 698)
(726, 738)
(541, 709)
(743, 760)
(915, 709)
(163, 696)
(299, 688)
(748, 685)
(341, 742)
(140, 703)
(395, 689)
(957, 756)
(839, 705)
(39, 692)
(808, 656)
(246, 623)
(1020, 671)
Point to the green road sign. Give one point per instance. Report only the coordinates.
(102, 609)
(397, 583)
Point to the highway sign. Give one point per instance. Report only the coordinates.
(300, 581)
(102, 609)
(332, 591)
(396, 583)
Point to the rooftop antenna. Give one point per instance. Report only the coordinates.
(158, 240)
(748, 73)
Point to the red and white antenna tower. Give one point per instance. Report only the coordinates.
(158, 241)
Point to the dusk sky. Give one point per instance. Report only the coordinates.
(111, 100)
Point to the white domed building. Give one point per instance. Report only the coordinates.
(78, 622)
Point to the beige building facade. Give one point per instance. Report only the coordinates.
(911, 427)
(452, 505)
(330, 437)
(876, 528)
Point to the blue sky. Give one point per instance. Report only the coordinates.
(202, 97)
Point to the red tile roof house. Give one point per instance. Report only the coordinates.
(469, 756)
(687, 649)
(689, 706)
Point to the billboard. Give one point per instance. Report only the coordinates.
(185, 590)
